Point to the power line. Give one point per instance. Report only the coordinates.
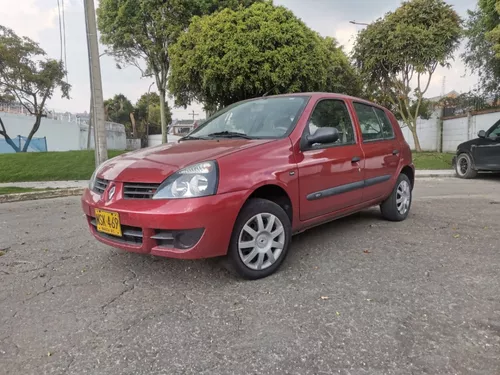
(64, 35)
(60, 29)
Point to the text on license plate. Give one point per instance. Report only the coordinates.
(108, 222)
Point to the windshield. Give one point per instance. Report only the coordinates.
(260, 118)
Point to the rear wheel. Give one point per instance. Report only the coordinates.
(397, 206)
(464, 167)
(260, 239)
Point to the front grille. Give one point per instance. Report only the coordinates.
(130, 235)
(133, 190)
(100, 185)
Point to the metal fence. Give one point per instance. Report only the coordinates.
(17, 108)
(36, 145)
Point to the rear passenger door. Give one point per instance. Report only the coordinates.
(381, 149)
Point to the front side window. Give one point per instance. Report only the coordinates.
(334, 114)
(373, 122)
(271, 117)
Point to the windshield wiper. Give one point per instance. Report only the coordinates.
(228, 134)
(191, 137)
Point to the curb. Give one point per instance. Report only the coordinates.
(18, 197)
(434, 175)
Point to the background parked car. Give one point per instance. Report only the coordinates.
(481, 154)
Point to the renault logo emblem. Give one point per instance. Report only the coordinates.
(111, 193)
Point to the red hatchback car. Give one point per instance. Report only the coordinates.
(250, 177)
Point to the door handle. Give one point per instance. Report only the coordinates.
(355, 159)
(395, 152)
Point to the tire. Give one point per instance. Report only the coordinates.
(253, 242)
(392, 209)
(464, 167)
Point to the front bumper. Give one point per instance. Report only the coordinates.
(144, 221)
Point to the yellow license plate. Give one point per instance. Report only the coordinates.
(108, 222)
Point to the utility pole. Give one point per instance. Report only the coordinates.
(98, 120)
(193, 114)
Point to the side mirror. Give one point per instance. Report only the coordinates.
(323, 135)
(481, 134)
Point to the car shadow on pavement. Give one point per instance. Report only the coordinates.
(309, 246)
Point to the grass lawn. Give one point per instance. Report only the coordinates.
(432, 160)
(48, 166)
(79, 165)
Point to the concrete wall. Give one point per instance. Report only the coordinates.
(455, 130)
(427, 133)
(133, 144)
(116, 137)
(63, 135)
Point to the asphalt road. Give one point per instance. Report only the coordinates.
(357, 296)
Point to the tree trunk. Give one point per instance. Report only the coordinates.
(36, 126)
(9, 141)
(416, 141)
(164, 124)
(132, 120)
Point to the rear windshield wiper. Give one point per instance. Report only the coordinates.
(228, 134)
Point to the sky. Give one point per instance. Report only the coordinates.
(39, 20)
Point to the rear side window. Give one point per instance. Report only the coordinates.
(374, 123)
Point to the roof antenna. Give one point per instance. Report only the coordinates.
(270, 90)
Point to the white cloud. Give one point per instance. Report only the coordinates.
(26, 18)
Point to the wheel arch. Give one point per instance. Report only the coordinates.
(410, 173)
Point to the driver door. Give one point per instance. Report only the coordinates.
(486, 153)
(330, 175)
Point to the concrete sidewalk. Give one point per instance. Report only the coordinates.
(48, 184)
(435, 173)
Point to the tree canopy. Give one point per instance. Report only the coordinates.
(29, 76)
(234, 55)
(399, 53)
(139, 30)
(147, 113)
(482, 50)
(118, 109)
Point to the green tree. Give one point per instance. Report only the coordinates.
(147, 113)
(400, 52)
(118, 109)
(479, 55)
(234, 55)
(27, 74)
(137, 30)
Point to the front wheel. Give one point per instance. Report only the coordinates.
(260, 239)
(397, 206)
(464, 168)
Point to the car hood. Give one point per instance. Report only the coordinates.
(154, 164)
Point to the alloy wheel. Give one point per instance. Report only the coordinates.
(261, 241)
(403, 197)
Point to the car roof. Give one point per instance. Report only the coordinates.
(318, 94)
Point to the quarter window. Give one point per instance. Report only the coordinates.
(373, 122)
(334, 114)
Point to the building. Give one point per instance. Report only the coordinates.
(182, 127)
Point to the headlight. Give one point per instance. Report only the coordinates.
(197, 180)
(93, 179)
